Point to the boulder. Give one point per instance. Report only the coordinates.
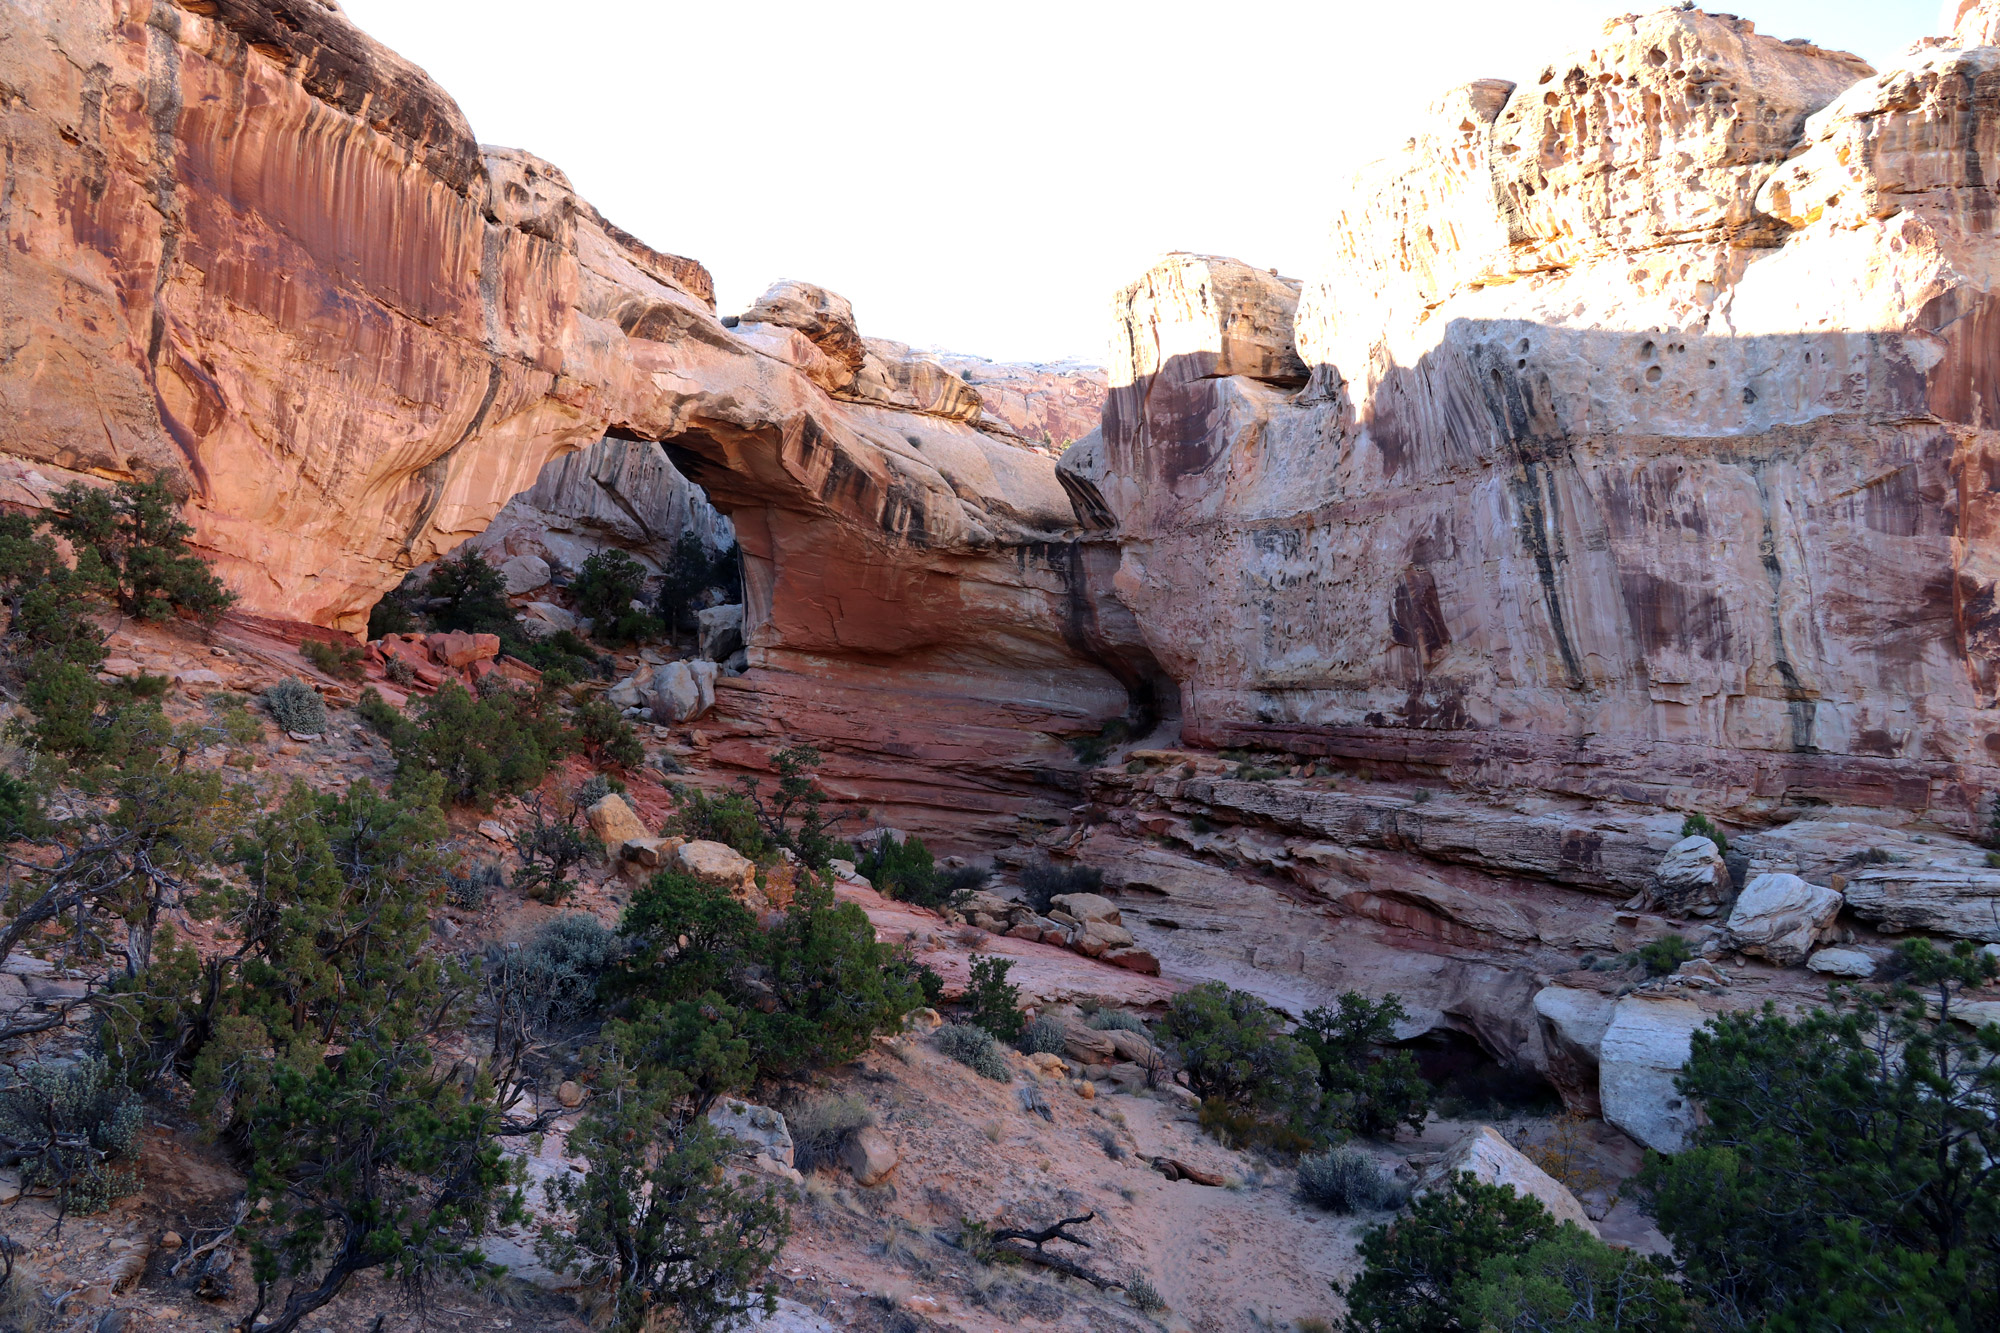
(1086, 1045)
(1976, 1013)
(719, 632)
(1141, 961)
(1098, 938)
(1049, 1063)
(680, 691)
(524, 573)
(893, 376)
(1780, 917)
(1088, 907)
(718, 864)
(569, 1094)
(1131, 1046)
(822, 316)
(649, 852)
(541, 619)
(765, 1138)
(1572, 1026)
(1494, 1161)
(625, 694)
(614, 822)
(1842, 963)
(869, 1156)
(1641, 1053)
(1692, 877)
(459, 649)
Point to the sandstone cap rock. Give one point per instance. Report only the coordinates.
(1494, 1161)
(1780, 917)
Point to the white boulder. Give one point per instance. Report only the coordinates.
(1691, 877)
(524, 573)
(1842, 963)
(1642, 1051)
(1494, 1161)
(719, 632)
(1781, 916)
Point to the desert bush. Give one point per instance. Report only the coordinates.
(1043, 1036)
(992, 1001)
(907, 872)
(1229, 1043)
(131, 539)
(294, 706)
(605, 590)
(930, 981)
(820, 1125)
(75, 1128)
(467, 593)
(500, 743)
(467, 888)
(399, 672)
(550, 850)
(393, 614)
(691, 572)
(1109, 1020)
(233, 719)
(1091, 751)
(1699, 825)
(1345, 1180)
(343, 661)
(555, 974)
(727, 817)
(604, 734)
(1365, 1088)
(1664, 955)
(1842, 1171)
(974, 1048)
(1145, 1296)
(1574, 1282)
(659, 1221)
(1042, 881)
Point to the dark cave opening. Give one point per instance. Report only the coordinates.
(1471, 1084)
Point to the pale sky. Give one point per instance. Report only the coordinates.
(983, 177)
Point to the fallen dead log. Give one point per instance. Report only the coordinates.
(1173, 1168)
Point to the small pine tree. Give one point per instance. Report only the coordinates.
(131, 536)
(605, 590)
(992, 1001)
(469, 594)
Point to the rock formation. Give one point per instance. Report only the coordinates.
(1640, 453)
(249, 247)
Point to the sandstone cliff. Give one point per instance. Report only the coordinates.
(249, 247)
(1632, 441)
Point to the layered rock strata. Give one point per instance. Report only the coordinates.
(1631, 442)
(248, 247)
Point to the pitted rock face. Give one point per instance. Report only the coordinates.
(1639, 394)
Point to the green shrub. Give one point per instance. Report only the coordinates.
(501, 743)
(1090, 751)
(550, 850)
(906, 872)
(563, 652)
(468, 594)
(726, 817)
(973, 1047)
(1574, 1282)
(1117, 1020)
(20, 809)
(551, 981)
(1841, 1175)
(605, 736)
(76, 1128)
(1227, 1041)
(468, 888)
(1041, 882)
(658, 1222)
(1698, 825)
(930, 982)
(1664, 955)
(690, 572)
(1043, 1036)
(131, 537)
(1419, 1269)
(819, 1127)
(343, 661)
(605, 588)
(1364, 1088)
(1345, 1180)
(234, 719)
(1145, 1296)
(295, 706)
(992, 1001)
(393, 615)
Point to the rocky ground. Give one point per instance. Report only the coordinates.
(964, 1148)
